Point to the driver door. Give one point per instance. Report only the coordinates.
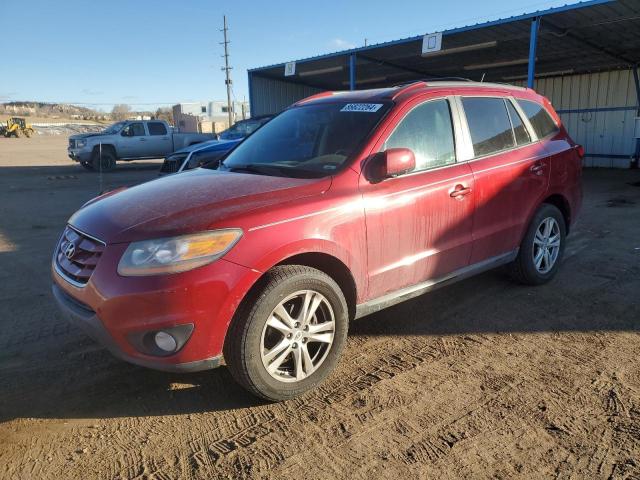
(133, 142)
(419, 224)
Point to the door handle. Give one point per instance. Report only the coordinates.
(143, 139)
(459, 191)
(537, 168)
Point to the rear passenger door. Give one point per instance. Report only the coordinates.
(511, 173)
(419, 224)
(159, 143)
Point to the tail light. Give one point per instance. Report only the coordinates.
(580, 150)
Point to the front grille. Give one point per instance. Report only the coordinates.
(72, 143)
(170, 166)
(77, 255)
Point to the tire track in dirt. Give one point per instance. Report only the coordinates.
(260, 440)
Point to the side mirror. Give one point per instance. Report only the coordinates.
(125, 132)
(391, 163)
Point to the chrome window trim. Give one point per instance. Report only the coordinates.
(525, 119)
(553, 120)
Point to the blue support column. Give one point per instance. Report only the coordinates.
(636, 159)
(533, 46)
(352, 71)
(250, 93)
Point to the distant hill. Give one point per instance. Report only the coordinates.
(52, 111)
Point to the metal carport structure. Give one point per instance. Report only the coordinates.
(584, 57)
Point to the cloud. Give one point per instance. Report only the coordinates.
(88, 91)
(341, 44)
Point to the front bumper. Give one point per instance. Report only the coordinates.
(78, 155)
(117, 310)
(87, 320)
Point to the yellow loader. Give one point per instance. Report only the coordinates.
(16, 127)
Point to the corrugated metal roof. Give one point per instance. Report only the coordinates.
(592, 35)
(500, 21)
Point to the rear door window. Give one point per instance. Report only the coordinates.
(428, 131)
(542, 122)
(520, 131)
(489, 125)
(156, 128)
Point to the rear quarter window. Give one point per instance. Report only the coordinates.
(540, 119)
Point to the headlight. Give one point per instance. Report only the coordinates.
(81, 143)
(177, 254)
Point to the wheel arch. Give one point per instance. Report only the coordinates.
(561, 203)
(333, 267)
(107, 146)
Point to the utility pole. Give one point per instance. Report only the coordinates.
(227, 70)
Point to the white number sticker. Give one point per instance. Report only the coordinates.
(361, 107)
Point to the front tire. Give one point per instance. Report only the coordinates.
(542, 248)
(288, 335)
(103, 162)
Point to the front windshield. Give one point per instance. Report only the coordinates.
(314, 139)
(242, 129)
(115, 128)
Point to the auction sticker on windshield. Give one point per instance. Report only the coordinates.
(361, 107)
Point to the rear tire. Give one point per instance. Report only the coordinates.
(105, 161)
(542, 248)
(276, 351)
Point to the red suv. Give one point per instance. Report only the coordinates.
(342, 205)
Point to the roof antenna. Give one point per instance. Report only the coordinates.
(482, 79)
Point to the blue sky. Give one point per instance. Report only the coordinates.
(162, 52)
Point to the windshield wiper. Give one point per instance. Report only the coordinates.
(258, 168)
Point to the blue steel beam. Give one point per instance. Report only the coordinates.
(251, 110)
(533, 46)
(636, 160)
(352, 71)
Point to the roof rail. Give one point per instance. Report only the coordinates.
(434, 79)
(314, 97)
(410, 85)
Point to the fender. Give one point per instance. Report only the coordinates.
(320, 246)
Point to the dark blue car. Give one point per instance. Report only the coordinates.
(206, 153)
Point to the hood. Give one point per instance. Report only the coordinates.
(191, 202)
(210, 146)
(79, 136)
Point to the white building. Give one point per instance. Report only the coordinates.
(207, 116)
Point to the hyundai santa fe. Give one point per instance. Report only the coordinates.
(343, 204)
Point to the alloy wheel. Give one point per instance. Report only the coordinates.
(546, 245)
(297, 336)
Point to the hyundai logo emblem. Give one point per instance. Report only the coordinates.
(69, 250)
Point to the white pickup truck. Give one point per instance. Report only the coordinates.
(129, 140)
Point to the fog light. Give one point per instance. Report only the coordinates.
(165, 341)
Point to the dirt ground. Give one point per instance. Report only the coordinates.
(484, 379)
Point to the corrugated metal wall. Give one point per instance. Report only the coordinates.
(585, 104)
(273, 96)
